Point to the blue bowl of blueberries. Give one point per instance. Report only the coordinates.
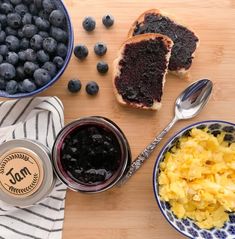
(36, 43)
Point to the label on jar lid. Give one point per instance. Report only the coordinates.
(21, 172)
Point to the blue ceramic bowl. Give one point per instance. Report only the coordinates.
(60, 5)
(187, 226)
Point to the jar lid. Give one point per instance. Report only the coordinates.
(26, 173)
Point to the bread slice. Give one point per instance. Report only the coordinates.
(185, 40)
(140, 69)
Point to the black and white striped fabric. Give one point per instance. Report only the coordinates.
(40, 119)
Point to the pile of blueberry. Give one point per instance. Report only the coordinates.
(81, 52)
(33, 44)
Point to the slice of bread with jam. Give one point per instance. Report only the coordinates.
(140, 69)
(185, 40)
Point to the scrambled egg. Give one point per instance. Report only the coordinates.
(198, 179)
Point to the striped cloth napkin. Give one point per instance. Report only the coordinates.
(39, 119)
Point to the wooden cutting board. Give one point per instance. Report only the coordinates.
(131, 212)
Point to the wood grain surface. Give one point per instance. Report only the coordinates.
(131, 212)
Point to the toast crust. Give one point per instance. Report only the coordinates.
(116, 68)
(182, 73)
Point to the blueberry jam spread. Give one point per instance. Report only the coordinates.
(184, 40)
(141, 72)
(91, 154)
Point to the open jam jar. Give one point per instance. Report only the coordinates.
(91, 154)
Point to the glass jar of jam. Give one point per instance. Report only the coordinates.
(91, 154)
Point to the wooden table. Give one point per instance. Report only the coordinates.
(131, 211)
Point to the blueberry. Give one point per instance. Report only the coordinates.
(30, 55)
(89, 24)
(42, 56)
(20, 73)
(24, 43)
(102, 67)
(6, 7)
(15, 2)
(42, 24)
(36, 42)
(92, 88)
(20, 87)
(27, 2)
(74, 86)
(22, 56)
(2, 84)
(29, 30)
(11, 87)
(30, 68)
(21, 9)
(1, 59)
(38, 3)
(12, 43)
(42, 77)
(3, 20)
(20, 33)
(14, 20)
(43, 34)
(10, 31)
(50, 67)
(59, 34)
(7, 71)
(48, 5)
(33, 9)
(43, 14)
(62, 50)
(28, 86)
(80, 51)
(108, 20)
(3, 50)
(2, 36)
(100, 49)
(12, 58)
(49, 44)
(27, 19)
(57, 18)
(58, 61)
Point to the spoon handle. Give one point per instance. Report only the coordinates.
(145, 154)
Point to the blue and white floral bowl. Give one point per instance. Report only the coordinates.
(187, 226)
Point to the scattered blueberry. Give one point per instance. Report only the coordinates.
(36, 42)
(100, 48)
(49, 44)
(102, 67)
(50, 67)
(57, 18)
(42, 56)
(74, 86)
(108, 20)
(30, 68)
(7, 71)
(58, 61)
(14, 20)
(11, 87)
(42, 77)
(62, 50)
(12, 58)
(12, 43)
(80, 51)
(89, 24)
(92, 88)
(28, 86)
(29, 30)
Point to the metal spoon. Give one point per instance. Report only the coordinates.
(189, 103)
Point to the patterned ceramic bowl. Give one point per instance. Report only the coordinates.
(60, 5)
(187, 226)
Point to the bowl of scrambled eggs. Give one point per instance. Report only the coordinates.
(194, 180)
